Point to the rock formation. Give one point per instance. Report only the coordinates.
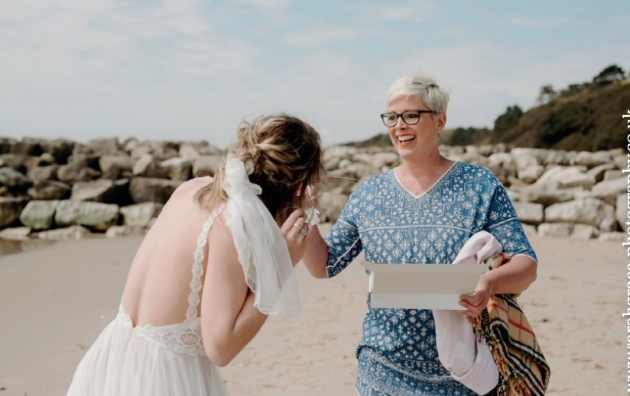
(65, 189)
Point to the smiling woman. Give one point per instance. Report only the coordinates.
(423, 212)
(417, 137)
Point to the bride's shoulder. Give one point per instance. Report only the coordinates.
(190, 187)
(196, 183)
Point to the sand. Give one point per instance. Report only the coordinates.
(56, 299)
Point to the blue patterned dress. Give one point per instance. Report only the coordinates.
(397, 354)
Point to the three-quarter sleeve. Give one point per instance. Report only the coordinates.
(503, 223)
(344, 242)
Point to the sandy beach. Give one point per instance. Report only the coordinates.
(55, 300)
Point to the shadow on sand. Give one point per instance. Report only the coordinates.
(12, 247)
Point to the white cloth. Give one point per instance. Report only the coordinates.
(149, 360)
(467, 357)
(121, 362)
(261, 247)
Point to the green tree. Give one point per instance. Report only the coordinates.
(574, 89)
(465, 136)
(547, 94)
(508, 119)
(610, 74)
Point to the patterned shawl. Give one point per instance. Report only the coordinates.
(523, 370)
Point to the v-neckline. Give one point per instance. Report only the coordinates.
(430, 188)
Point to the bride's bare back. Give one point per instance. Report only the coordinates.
(158, 284)
(159, 280)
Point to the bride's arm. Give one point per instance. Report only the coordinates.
(228, 316)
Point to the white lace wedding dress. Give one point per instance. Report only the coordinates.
(128, 360)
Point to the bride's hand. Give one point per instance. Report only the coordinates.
(296, 232)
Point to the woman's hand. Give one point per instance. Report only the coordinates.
(478, 301)
(296, 232)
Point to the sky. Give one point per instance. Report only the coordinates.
(191, 70)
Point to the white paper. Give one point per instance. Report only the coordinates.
(421, 286)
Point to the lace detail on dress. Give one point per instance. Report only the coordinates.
(184, 337)
(124, 318)
(197, 268)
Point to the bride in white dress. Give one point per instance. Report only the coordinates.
(213, 266)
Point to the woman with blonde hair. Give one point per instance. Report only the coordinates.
(422, 212)
(217, 261)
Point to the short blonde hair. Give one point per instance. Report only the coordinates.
(435, 97)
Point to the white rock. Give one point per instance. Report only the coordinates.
(592, 160)
(109, 162)
(613, 236)
(613, 174)
(339, 151)
(590, 211)
(378, 160)
(622, 210)
(555, 173)
(15, 233)
(600, 171)
(72, 232)
(583, 231)
(97, 190)
(330, 204)
(608, 190)
(188, 152)
(94, 214)
(515, 196)
(178, 168)
(39, 214)
(141, 214)
(502, 160)
(531, 173)
(568, 177)
(548, 193)
(622, 160)
(530, 213)
(556, 230)
(529, 229)
(525, 157)
(578, 180)
(142, 163)
(123, 230)
(556, 157)
(206, 165)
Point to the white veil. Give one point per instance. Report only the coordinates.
(262, 249)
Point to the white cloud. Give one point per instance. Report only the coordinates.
(538, 23)
(321, 35)
(190, 69)
(413, 12)
(100, 41)
(267, 4)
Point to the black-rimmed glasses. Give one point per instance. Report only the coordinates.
(409, 117)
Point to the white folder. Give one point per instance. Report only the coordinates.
(421, 286)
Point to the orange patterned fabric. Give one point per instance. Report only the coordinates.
(523, 370)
